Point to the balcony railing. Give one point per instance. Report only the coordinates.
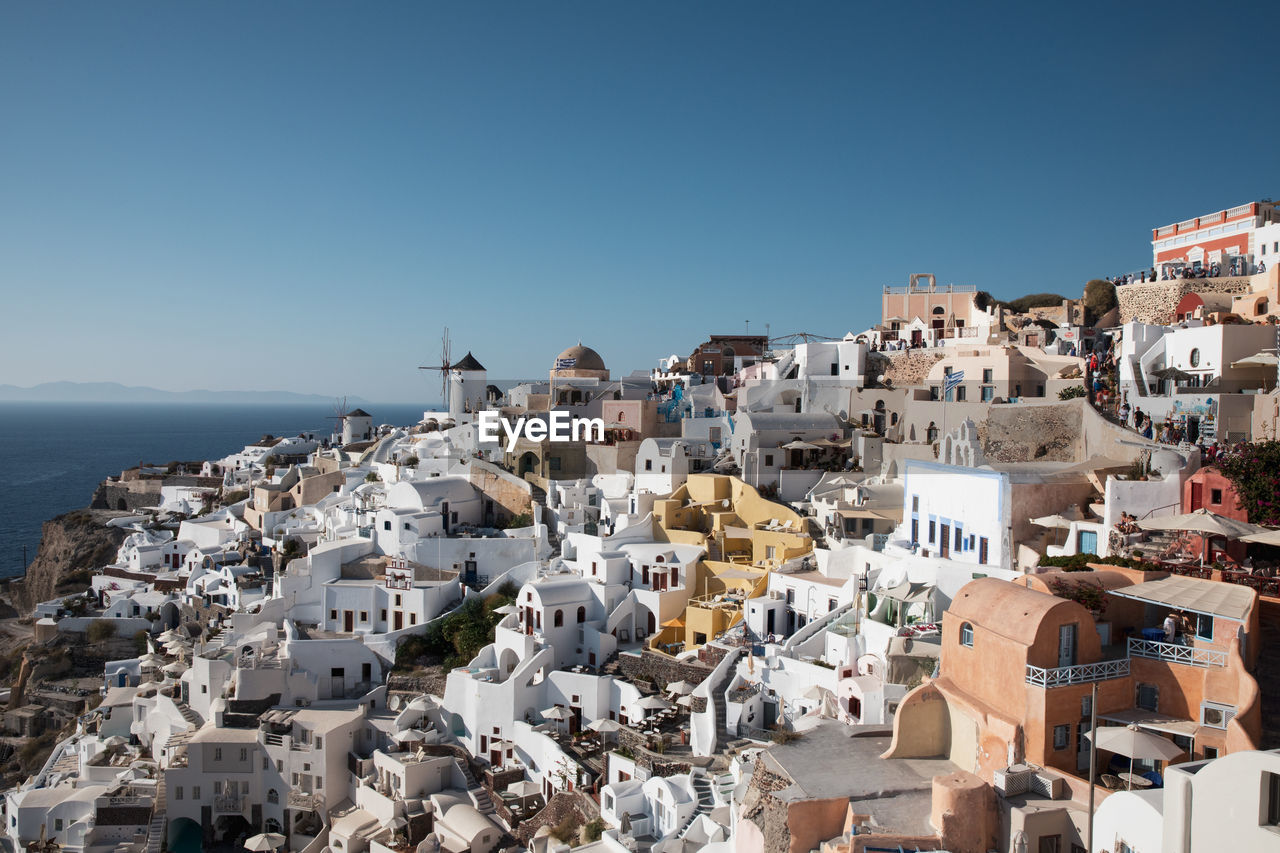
(228, 804)
(1173, 653)
(1080, 674)
(304, 801)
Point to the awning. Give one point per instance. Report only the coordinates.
(1206, 597)
(1152, 720)
(876, 514)
(907, 592)
(673, 623)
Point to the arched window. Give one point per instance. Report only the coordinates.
(271, 824)
(966, 635)
(559, 619)
(1195, 358)
(938, 309)
(273, 796)
(582, 614)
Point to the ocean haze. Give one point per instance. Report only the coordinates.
(53, 455)
(114, 392)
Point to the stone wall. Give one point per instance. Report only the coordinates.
(1154, 302)
(510, 495)
(651, 666)
(903, 369)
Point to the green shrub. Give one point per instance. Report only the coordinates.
(100, 630)
(592, 831)
(1072, 392)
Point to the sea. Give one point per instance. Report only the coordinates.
(53, 455)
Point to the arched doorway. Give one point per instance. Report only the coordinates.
(185, 836)
(528, 463)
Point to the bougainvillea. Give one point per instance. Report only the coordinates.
(1254, 469)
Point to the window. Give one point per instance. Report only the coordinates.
(1216, 715)
(768, 459)
(988, 393)
(217, 754)
(648, 464)
(582, 614)
(177, 793)
(915, 503)
(559, 619)
(1194, 358)
(319, 742)
(915, 530)
(1204, 627)
(960, 393)
(57, 824)
(959, 540)
(1061, 737)
(1051, 844)
(1215, 496)
(195, 792)
(413, 618)
(946, 371)
(988, 375)
(364, 615)
(932, 531)
(333, 615)
(1086, 707)
(1148, 697)
(273, 796)
(1271, 781)
(386, 525)
(382, 614)
(406, 525)
(244, 753)
(217, 788)
(966, 635)
(1210, 752)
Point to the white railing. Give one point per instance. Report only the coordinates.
(1079, 674)
(1240, 210)
(1173, 653)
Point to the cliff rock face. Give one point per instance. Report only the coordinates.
(75, 541)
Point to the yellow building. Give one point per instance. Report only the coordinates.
(745, 536)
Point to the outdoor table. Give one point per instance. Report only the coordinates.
(1136, 781)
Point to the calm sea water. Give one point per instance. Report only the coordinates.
(53, 455)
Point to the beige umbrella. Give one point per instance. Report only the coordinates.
(685, 701)
(1259, 359)
(1133, 742)
(603, 726)
(264, 841)
(1266, 537)
(1054, 520)
(410, 736)
(681, 687)
(1207, 524)
(653, 703)
(557, 713)
(800, 445)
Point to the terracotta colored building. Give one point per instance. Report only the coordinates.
(717, 356)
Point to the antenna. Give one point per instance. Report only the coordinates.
(444, 367)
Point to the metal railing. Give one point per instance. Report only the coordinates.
(1173, 653)
(228, 804)
(1079, 674)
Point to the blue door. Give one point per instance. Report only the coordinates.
(1087, 542)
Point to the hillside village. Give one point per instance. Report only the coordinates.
(986, 576)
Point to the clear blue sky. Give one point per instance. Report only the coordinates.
(299, 195)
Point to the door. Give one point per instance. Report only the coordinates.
(1067, 645)
(1087, 542)
(917, 337)
(337, 677)
(770, 621)
(348, 621)
(1197, 496)
(397, 620)
(444, 515)
(945, 545)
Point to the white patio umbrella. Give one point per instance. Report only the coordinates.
(653, 703)
(410, 735)
(1258, 359)
(115, 740)
(1134, 742)
(397, 823)
(1266, 537)
(556, 713)
(506, 609)
(800, 445)
(524, 789)
(685, 701)
(681, 688)
(264, 841)
(1207, 524)
(175, 668)
(603, 725)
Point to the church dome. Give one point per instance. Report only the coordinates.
(579, 358)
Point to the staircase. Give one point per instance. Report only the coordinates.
(706, 802)
(187, 714)
(484, 803)
(155, 834)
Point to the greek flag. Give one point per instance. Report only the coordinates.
(565, 363)
(952, 381)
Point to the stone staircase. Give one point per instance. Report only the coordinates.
(484, 803)
(159, 820)
(187, 714)
(706, 802)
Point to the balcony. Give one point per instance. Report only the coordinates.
(228, 804)
(303, 801)
(1080, 674)
(1173, 653)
